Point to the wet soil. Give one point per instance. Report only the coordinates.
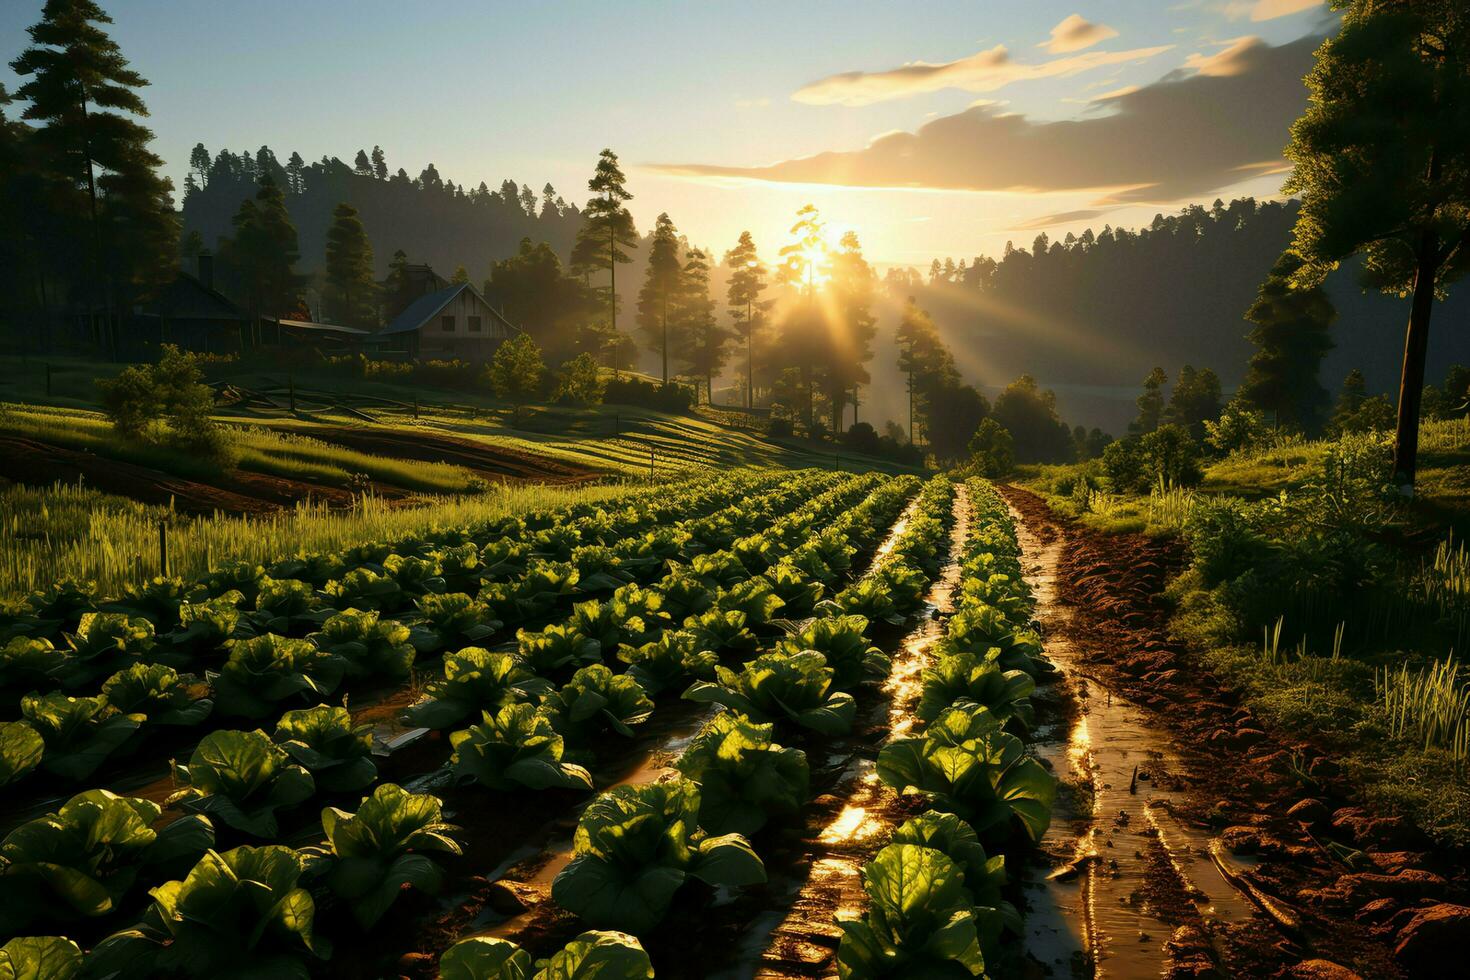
(1223, 869)
(429, 446)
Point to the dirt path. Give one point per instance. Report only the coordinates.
(431, 446)
(1213, 865)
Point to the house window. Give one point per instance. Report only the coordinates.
(474, 324)
(446, 323)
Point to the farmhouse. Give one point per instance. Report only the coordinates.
(452, 322)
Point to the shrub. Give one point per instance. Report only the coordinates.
(992, 450)
(579, 382)
(644, 394)
(1239, 428)
(164, 403)
(779, 429)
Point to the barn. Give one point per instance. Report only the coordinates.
(450, 323)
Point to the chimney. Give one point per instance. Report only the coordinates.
(206, 269)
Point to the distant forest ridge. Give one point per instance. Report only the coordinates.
(1089, 313)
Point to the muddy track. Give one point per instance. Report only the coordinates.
(1215, 865)
(429, 446)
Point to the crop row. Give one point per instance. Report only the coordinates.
(936, 905)
(636, 846)
(241, 778)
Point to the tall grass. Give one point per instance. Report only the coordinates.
(1170, 506)
(1430, 706)
(69, 531)
(1445, 585)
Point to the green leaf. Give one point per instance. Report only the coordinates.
(598, 956)
(728, 861)
(40, 958)
(482, 958)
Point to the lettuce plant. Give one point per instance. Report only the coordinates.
(672, 660)
(318, 568)
(242, 913)
(555, 543)
(754, 597)
(461, 567)
(63, 602)
(162, 694)
(798, 591)
(595, 701)
(363, 588)
(635, 847)
(558, 645)
(833, 549)
(27, 664)
(206, 626)
(475, 680)
(242, 779)
(325, 743)
(40, 958)
(599, 568)
(870, 597)
(986, 781)
(415, 576)
(80, 733)
(84, 859)
(514, 747)
(244, 577)
(380, 849)
(265, 670)
(919, 921)
(1007, 595)
(534, 595)
(962, 723)
(843, 642)
(756, 552)
(978, 629)
(985, 876)
(600, 955)
(503, 557)
(454, 621)
(157, 600)
(779, 686)
(21, 749)
(366, 645)
(283, 602)
(723, 631)
(744, 777)
(102, 644)
(963, 679)
(718, 571)
(685, 593)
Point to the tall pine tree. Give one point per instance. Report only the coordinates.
(607, 233)
(743, 297)
(1291, 337)
(350, 296)
(661, 284)
(702, 344)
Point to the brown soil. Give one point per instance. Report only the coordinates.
(1253, 777)
(425, 445)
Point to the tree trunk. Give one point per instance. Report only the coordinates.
(749, 356)
(1416, 346)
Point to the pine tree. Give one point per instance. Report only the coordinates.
(515, 371)
(1381, 157)
(396, 296)
(380, 164)
(263, 254)
(747, 282)
(1150, 403)
(528, 200)
(803, 262)
(925, 362)
(81, 93)
(702, 343)
(361, 165)
(1194, 400)
(350, 297)
(461, 275)
(296, 174)
(199, 165)
(660, 286)
(1291, 337)
(607, 232)
(850, 337)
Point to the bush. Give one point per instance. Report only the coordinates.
(578, 382)
(644, 394)
(779, 429)
(1239, 428)
(1166, 456)
(861, 438)
(992, 450)
(164, 403)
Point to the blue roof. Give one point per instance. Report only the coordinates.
(427, 306)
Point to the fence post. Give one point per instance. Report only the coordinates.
(415, 406)
(163, 546)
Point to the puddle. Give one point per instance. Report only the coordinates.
(1123, 871)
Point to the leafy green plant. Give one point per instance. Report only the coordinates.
(594, 701)
(718, 571)
(21, 750)
(744, 778)
(986, 781)
(244, 577)
(454, 621)
(63, 602)
(798, 591)
(919, 921)
(843, 642)
(475, 679)
(515, 746)
(80, 733)
(599, 568)
(599, 955)
(265, 670)
(157, 600)
(28, 663)
(685, 594)
(557, 646)
(40, 958)
(985, 876)
(534, 595)
(82, 860)
(415, 576)
(242, 779)
(242, 913)
(205, 627)
(160, 693)
(978, 629)
(781, 686)
(870, 597)
(670, 661)
(380, 849)
(461, 567)
(367, 646)
(325, 743)
(635, 847)
(754, 597)
(963, 678)
(103, 643)
(281, 601)
(363, 588)
(723, 631)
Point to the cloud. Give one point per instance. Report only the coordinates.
(1183, 136)
(1076, 33)
(1233, 60)
(1060, 218)
(1271, 9)
(984, 71)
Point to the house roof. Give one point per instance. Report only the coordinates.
(186, 297)
(323, 327)
(426, 307)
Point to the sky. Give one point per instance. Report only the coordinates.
(937, 130)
